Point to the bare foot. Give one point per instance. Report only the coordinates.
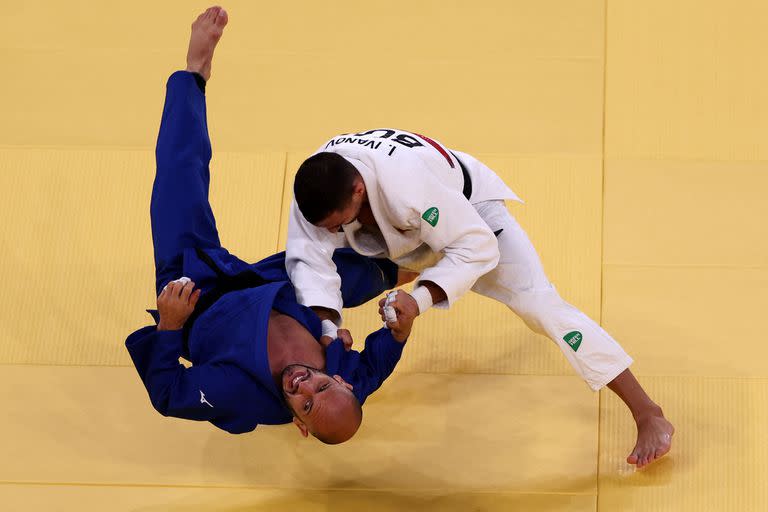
(654, 439)
(206, 32)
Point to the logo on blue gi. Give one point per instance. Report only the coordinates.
(573, 339)
(203, 400)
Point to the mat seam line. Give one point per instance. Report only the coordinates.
(282, 203)
(266, 487)
(602, 238)
(749, 266)
(563, 375)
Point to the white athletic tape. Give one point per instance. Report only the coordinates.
(389, 312)
(182, 281)
(330, 329)
(423, 298)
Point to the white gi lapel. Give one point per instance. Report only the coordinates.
(390, 241)
(364, 241)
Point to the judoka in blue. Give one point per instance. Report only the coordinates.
(254, 349)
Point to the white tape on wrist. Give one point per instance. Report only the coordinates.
(182, 281)
(330, 329)
(423, 298)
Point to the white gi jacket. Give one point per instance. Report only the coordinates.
(415, 190)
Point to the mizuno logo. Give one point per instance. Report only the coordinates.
(203, 400)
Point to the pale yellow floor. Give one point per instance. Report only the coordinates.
(634, 131)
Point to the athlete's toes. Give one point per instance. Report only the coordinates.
(222, 18)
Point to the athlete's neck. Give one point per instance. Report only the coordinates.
(288, 342)
(365, 216)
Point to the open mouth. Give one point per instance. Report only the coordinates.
(292, 379)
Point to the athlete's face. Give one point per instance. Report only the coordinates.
(349, 213)
(335, 220)
(315, 398)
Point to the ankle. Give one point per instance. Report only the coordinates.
(650, 410)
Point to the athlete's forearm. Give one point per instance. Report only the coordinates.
(310, 267)
(460, 268)
(437, 293)
(326, 314)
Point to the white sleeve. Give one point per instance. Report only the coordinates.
(308, 260)
(451, 225)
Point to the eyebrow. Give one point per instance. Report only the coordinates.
(312, 405)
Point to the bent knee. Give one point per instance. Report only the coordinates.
(539, 306)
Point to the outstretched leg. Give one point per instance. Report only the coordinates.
(180, 212)
(519, 282)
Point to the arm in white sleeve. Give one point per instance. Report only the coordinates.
(469, 247)
(308, 260)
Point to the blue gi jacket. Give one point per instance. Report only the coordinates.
(230, 383)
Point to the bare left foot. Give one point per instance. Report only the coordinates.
(654, 439)
(206, 32)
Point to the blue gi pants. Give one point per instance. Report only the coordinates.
(182, 218)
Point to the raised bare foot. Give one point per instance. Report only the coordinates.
(654, 439)
(206, 32)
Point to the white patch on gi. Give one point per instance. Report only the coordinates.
(203, 400)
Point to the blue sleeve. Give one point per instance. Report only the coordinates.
(362, 278)
(208, 392)
(377, 361)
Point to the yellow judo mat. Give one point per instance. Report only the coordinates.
(634, 131)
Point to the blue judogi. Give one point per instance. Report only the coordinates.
(230, 383)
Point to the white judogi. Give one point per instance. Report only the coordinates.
(416, 190)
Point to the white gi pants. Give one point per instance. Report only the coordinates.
(519, 282)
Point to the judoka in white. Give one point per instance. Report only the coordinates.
(442, 214)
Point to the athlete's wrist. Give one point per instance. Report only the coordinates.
(165, 327)
(329, 328)
(423, 298)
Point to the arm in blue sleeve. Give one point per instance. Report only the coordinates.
(204, 392)
(377, 361)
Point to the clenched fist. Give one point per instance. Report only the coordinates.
(406, 310)
(176, 303)
(343, 334)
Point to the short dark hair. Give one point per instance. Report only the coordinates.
(324, 184)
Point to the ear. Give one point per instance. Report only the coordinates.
(344, 383)
(359, 188)
(302, 427)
